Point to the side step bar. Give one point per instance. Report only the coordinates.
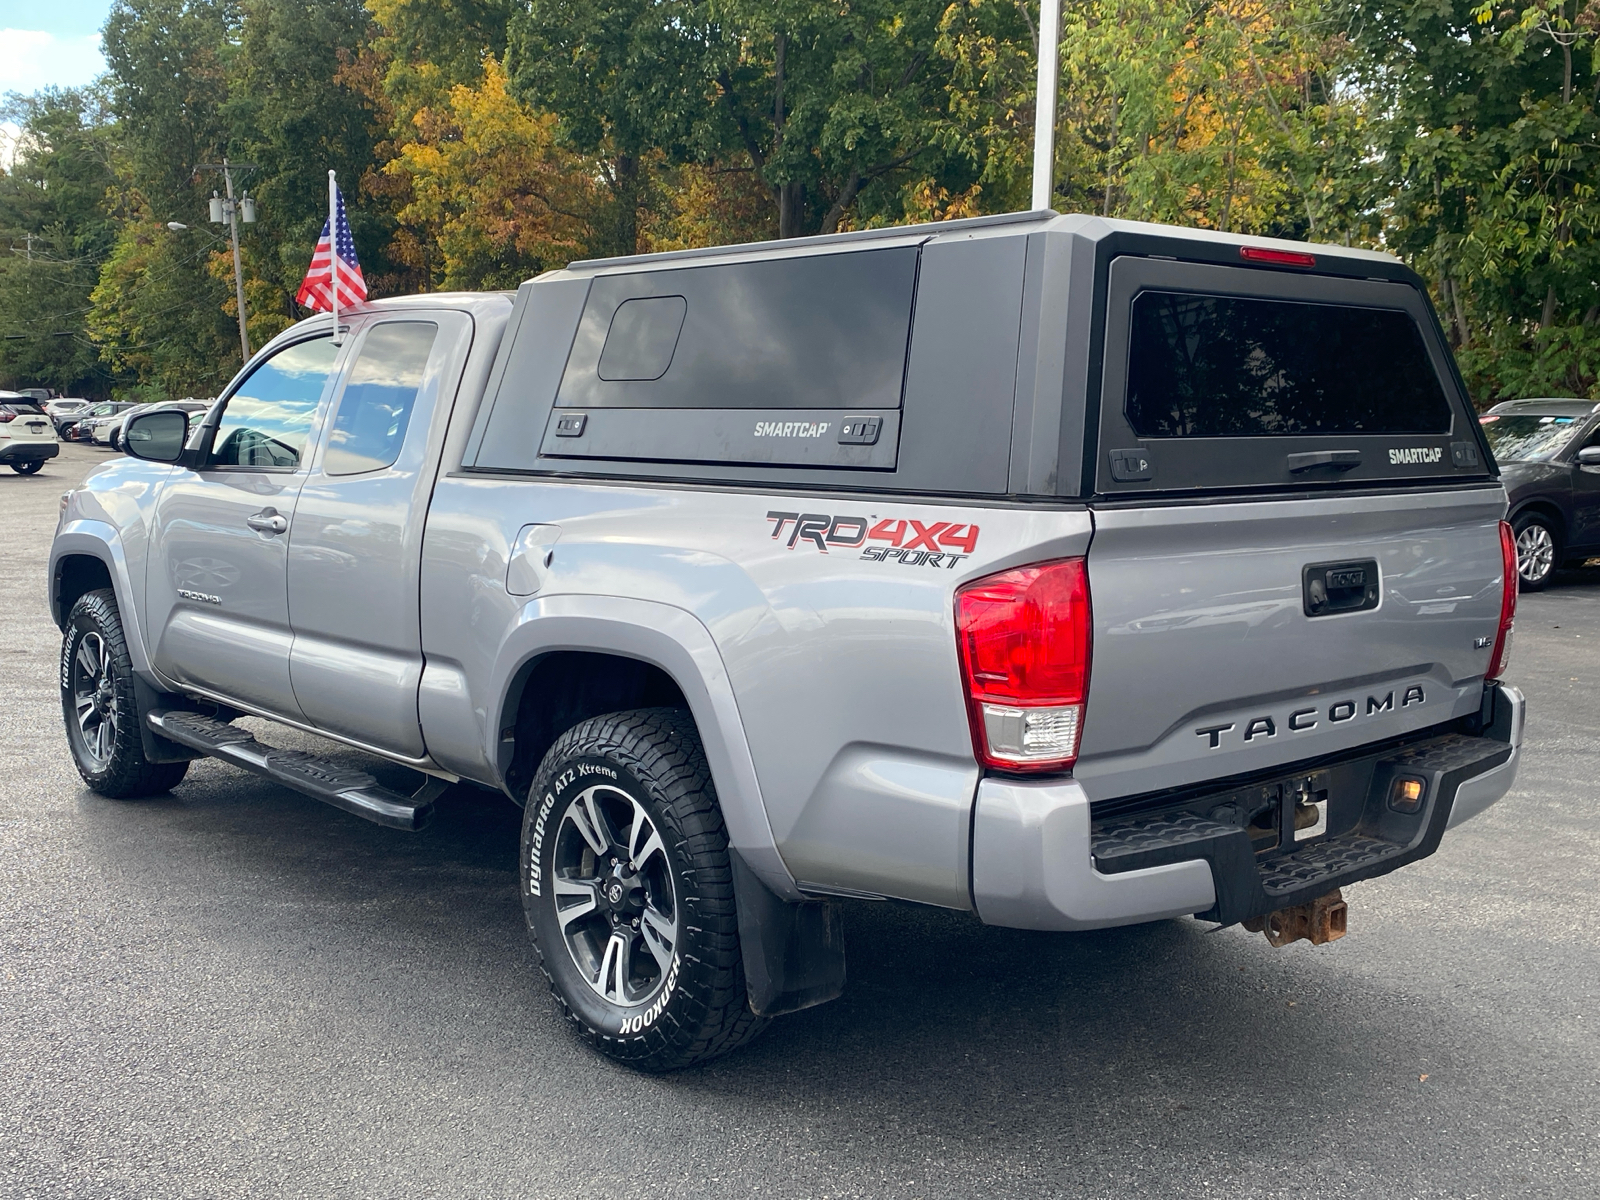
(354, 791)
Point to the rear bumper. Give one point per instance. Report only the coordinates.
(11, 452)
(1039, 861)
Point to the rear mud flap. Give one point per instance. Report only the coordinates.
(793, 953)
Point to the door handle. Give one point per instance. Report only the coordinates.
(268, 520)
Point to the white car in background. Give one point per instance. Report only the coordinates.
(110, 433)
(100, 427)
(27, 437)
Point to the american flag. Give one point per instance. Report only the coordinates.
(316, 291)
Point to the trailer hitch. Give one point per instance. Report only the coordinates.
(1322, 920)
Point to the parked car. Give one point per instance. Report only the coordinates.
(82, 430)
(65, 411)
(100, 428)
(111, 432)
(1063, 571)
(27, 439)
(1549, 456)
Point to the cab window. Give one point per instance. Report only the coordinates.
(266, 423)
(375, 409)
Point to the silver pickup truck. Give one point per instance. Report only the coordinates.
(1068, 572)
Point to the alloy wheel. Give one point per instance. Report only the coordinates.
(1536, 553)
(94, 698)
(614, 895)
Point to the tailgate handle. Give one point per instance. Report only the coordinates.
(1339, 460)
(1343, 587)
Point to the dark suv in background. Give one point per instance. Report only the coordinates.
(1549, 455)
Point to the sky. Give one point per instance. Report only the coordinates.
(45, 43)
(50, 42)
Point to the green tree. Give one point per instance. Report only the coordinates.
(54, 223)
(838, 108)
(158, 311)
(294, 112)
(501, 200)
(166, 71)
(1489, 145)
(429, 47)
(629, 83)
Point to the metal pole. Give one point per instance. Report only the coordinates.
(333, 248)
(1044, 117)
(238, 268)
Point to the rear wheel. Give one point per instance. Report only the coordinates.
(1538, 550)
(628, 892)
(100, 708)
(31, 467)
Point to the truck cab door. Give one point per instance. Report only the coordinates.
(355, 556)
(217, 587)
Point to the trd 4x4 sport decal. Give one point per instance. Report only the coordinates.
(909, 543)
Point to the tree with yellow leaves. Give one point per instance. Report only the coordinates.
(491, 189)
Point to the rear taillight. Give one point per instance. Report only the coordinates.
(1500, 659)
(7, 416)
(1024, 637)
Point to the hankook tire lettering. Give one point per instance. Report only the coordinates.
(642, 1021)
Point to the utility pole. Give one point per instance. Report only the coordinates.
(1044, 115)
(226, 209)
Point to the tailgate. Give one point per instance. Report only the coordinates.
(1206, 663)
(1297, 547)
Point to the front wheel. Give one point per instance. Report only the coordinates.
(100, 708)
(31, 467)
(1538, 551)
(628, 892)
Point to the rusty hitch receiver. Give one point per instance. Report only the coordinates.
(1323, 920)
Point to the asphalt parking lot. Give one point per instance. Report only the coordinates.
(235, 991)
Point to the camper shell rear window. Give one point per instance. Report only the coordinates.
(1221, 378)
(1238, 366)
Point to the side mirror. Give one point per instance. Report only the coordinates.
(157, 436)
(1589, 456)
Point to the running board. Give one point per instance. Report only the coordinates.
(354, 791)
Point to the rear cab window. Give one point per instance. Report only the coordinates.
(1229, 377)
(374, 410)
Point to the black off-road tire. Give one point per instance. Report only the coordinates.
(653, 758)
(1539, 550)
(116, 766)
(31, 467)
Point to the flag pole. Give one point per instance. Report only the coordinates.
(1044, 116)
(333, 247)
